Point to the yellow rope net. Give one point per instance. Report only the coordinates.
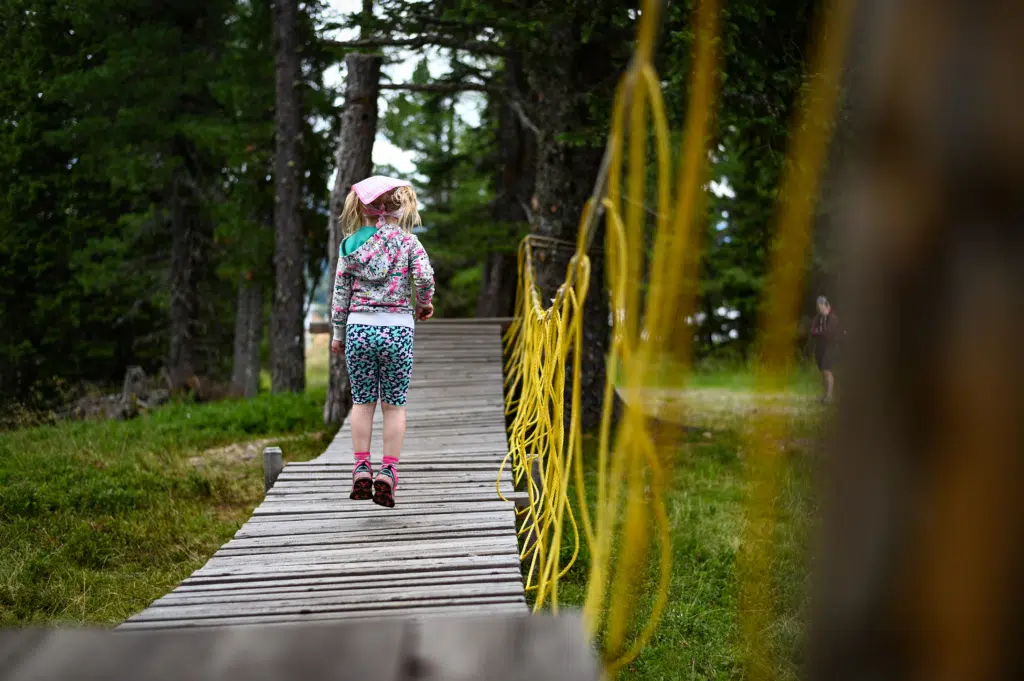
(626, 526)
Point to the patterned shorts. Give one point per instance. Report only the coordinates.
(379, 360)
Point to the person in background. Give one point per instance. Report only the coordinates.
(825, 332)
(383, 284)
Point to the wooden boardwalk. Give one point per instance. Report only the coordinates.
(448, 548)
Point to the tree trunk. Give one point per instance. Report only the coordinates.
(562, 73)
(564, 178)
(517, 164)
(287, 346)
(245, 378)
(354, 160)
(183, 280)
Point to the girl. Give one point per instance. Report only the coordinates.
(372, 315)
(825, 331)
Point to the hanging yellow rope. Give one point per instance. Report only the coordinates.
(798, 194)
(651, 340)
(543, 453)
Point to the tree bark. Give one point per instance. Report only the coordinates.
(287, 345)
(517, 164)
(354, 159)
(562, 72)
(245, 378)
(183, 289)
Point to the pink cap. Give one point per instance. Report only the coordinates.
(369, 189)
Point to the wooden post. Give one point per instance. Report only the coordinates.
(273, 463)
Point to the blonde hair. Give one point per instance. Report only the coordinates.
(353, 215)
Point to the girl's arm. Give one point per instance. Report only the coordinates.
(340, 302)
(422, 274)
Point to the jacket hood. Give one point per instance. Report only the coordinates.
(374, 260)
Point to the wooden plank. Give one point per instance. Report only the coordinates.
(341, 502)
(296, 490)
(258, 590)
(375, 539)
(348, 601)
(477, 610)
(426, 492)
(339, 489)
(371, 510)
(340, 580)
(339, 611)
(407, 565)
(409, 475)
(382, 523)
(419, 492)
(420, 462)
(410, 472)
(409, 507)
(303, 583)
(421, 548)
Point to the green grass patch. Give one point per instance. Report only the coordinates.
(699, 636)
(97, 519)
(734, 375)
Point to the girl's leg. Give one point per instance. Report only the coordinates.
(394, 431)
(364, 375)
(395, 373)
(361, 421)
(830, 382)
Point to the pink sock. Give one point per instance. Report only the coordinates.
(393, 462)
(361, 456)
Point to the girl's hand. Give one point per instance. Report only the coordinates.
(336, 347)
(424, 312)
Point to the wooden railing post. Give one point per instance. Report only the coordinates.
(273, 463)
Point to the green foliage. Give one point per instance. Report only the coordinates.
(99, 519)
(113, 114)
(106, 102)
(457, 167)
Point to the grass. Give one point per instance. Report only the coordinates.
(699, 635)
(97, 519)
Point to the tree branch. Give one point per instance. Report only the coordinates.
(517, 108)
(442, 87)
(455, 86)
(477, 46)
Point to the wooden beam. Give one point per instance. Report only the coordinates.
(496, 648)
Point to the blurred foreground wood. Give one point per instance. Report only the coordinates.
(476, 649)
(920, 557)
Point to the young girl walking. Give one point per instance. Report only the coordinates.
(373, 315)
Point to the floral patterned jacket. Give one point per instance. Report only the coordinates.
(379, 275)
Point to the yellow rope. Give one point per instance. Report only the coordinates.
(797, 196)
(631, 463)
(542, 340)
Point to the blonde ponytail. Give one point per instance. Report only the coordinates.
(405, 198)
(351, 215)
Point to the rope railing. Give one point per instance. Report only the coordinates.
(626, 526)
